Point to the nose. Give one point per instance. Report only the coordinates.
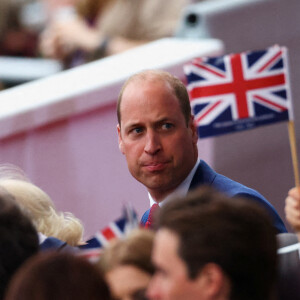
(153, 143)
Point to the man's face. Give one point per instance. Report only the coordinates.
(171, 281)
(159, 146)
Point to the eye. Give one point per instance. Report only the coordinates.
(136, 130)
(167, 126)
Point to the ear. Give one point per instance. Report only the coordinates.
(121, 146)
(193, 128)
(214, 282)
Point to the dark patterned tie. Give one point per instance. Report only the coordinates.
(153, 211)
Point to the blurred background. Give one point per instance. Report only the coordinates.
(62, 64)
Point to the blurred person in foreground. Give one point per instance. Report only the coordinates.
(127, 265)
(18, 239)
(58, 276)
(289, 250)
(158, 137)
(211, 247)
(99, 28)
(56, 229)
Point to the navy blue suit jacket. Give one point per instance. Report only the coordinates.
(52, 243)
(205, 175)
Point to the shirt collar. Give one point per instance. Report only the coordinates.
(41, 237)
(181, 190)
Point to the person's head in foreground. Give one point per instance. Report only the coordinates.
(18, 239)
(127, 265)
(39, 207)
(156, 131)
(58, 276)
(211, 247)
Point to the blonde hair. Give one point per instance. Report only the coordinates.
(134, 250)
(38, 206)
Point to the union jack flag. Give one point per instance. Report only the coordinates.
(93, 248)
(239, 91)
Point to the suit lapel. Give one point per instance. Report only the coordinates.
(204, 175)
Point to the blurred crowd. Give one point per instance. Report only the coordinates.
(49, 36)
(202, 244)
(79, 31)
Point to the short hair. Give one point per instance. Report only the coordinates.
(18, 239)
(59, 276)
(38, 206)
(134, 250)
(176, 84)
(234, 233)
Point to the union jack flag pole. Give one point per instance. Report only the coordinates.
(292, 137)
(294, 152)
(291, 128)
(241, 91)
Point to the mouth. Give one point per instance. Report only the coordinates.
(155, 166)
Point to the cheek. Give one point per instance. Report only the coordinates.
(169, 286)
(177, 292)
(178, 148)
(132, 155)
(133, 151)
(177, 288)
(174, 288)
(182, 139)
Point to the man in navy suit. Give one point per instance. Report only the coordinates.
(158, 136)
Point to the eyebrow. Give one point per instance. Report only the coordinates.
(164, 120)
(142, 124)
(132, 125)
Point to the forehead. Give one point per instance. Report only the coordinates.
(142, 96)
(146, 85)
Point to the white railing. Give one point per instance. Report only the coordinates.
(84, 88)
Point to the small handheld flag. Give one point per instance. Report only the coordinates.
(239, 91)
(118, 229)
